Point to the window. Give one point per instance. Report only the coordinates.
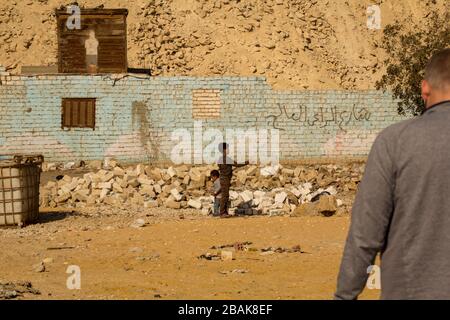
(78, 113)
(206, 103)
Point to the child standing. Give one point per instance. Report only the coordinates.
(226, 165)
(216, 191)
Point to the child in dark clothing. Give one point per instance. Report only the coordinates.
(226, 165)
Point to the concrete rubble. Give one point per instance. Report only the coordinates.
(269, 190)
(13, 290)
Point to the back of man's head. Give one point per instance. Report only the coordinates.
(436, 84)
(437, 71)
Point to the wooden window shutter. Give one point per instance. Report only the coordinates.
(78, 113)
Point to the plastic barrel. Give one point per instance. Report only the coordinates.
(19, 189)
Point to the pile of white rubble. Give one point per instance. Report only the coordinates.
(273, 190)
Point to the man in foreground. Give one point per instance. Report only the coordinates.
(402, 208)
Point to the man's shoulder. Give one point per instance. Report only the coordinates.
(393, 136)
(396, 129)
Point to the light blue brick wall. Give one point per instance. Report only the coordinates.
(136, 115)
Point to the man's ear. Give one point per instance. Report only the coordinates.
(426, 90)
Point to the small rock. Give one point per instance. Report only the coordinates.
(171, 172)
(194, 204)
(246, 195)
(139, 223)
(151, 204)
(327, 205)
(172, 204)
(267, 253)
(39, 267)
(95, 164)
(305, 209)
(176, 194)
(280, 197)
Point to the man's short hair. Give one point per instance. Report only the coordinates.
(437, 71)
(214, 173)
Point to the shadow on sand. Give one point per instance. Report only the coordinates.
(51, 216)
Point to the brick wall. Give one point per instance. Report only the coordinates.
(136, 116)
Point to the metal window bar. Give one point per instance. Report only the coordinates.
(78, 113)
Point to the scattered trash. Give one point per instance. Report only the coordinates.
(60, 248)
(238, 246)
(226, 255)
(234, 271)
(272, 250)
(11, 290)
(149, 258)
(209, 256)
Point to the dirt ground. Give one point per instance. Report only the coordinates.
(160, 260)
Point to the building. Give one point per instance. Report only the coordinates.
(95, 108)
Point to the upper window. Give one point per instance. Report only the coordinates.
(78, 113)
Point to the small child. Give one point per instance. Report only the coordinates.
(216, 191)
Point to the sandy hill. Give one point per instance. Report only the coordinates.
(296, 44)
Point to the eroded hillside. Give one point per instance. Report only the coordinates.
(317, 44)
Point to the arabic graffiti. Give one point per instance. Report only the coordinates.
(321, 117)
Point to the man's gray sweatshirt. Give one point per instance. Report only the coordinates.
(402, 210)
